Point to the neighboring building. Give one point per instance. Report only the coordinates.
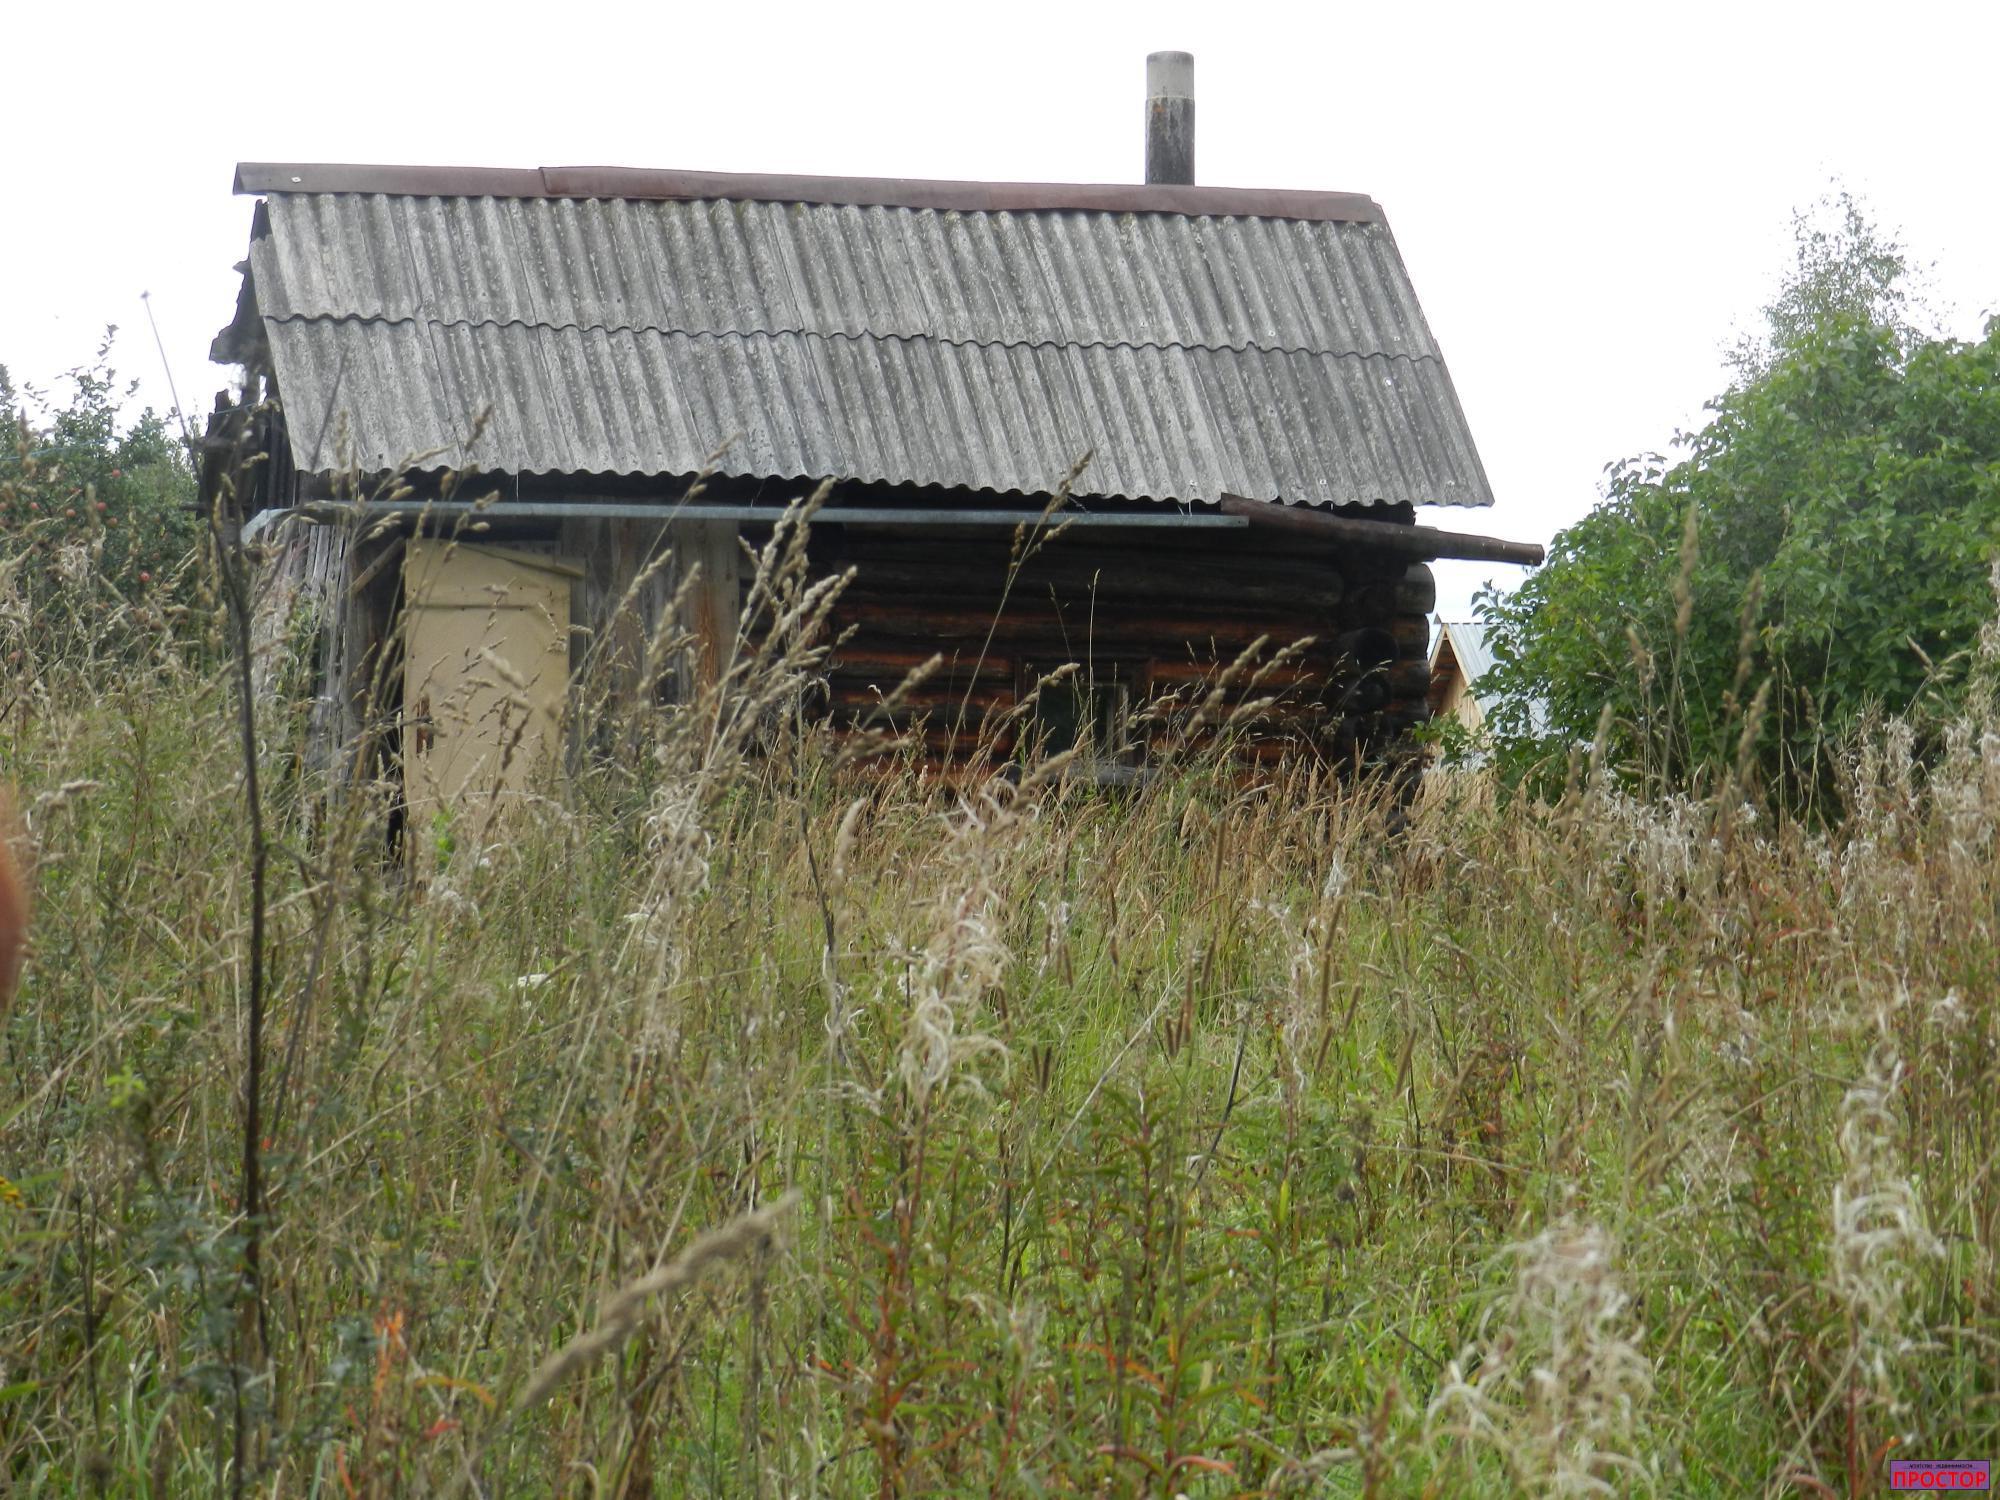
(1244, 375)
(1459, 658)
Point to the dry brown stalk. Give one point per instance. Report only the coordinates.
(623, 1312)
(13, 903)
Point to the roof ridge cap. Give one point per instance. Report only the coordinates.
(668, 184)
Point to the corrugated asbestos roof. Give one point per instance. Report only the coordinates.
(986, 349)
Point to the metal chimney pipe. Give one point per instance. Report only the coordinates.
(1170, 117)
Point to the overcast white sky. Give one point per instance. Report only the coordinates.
(1591, 199)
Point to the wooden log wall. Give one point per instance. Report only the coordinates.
(1158, 615)
(1328, 639)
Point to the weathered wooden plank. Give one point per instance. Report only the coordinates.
(707, 552)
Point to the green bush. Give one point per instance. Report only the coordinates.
(85, 492)
(1823, 547)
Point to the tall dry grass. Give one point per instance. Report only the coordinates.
(741, 1122)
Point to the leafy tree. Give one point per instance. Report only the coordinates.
(1844, 265)
(72, 477)
(1822, 549)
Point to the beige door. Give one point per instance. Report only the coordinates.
(485, 674)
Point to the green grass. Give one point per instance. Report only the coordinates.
(1193, 1140)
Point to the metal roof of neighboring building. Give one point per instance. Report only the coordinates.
(1469, 649)
(1472, 654)
(966, 335)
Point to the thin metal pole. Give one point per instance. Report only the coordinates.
(537, 510)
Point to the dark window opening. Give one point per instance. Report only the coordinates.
(1087, 713)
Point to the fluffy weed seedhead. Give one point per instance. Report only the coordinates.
(1879, 1237)
(1558, 1390)
(964, 959)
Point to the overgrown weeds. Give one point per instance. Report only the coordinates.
(1191, 1139)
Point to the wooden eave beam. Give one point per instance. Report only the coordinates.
(1421, 542)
